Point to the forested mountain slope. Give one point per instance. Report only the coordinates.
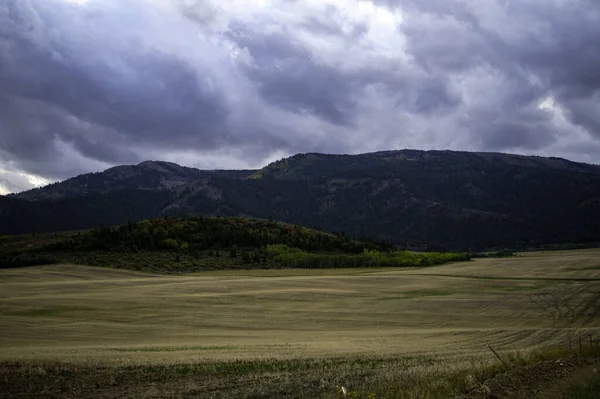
(437, 199)
(148, 175)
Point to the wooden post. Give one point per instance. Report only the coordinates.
(496, 353)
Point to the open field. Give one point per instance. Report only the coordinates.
(417, 317)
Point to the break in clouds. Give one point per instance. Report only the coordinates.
(87, 84)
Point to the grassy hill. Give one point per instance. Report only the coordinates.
(183, 245)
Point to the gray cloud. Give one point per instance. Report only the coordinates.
(287, 76)
(11, 181)
(89, 84)
(524, 53)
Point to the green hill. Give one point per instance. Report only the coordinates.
(182, 245)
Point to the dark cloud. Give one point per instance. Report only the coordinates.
(288, 75)
(529, 50)
(302, 87)
(88, 84)
(166, 104)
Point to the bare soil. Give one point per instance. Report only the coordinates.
(546, 380)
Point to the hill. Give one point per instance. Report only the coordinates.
(182, 245)
(441, 200)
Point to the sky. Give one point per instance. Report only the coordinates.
(89, 84)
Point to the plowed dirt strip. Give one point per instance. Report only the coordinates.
(546, 380)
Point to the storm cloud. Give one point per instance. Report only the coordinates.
(87, 84)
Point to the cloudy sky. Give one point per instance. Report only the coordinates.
(87, 84)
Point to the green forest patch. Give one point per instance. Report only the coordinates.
(186, 245)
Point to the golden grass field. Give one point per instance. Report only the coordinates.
(87, 315)
(69, 312)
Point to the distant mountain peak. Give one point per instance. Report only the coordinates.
(301, 165)
(147, 175)
(151, 163)
(164, 167)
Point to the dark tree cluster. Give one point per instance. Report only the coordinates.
(226, 235)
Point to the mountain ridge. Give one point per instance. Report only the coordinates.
(146, 175)
(190, 174)
(442, 199)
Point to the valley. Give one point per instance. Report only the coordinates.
(234, 333)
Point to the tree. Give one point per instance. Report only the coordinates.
(170, 243)
(246, 257)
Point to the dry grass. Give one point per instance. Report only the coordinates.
(369, 325)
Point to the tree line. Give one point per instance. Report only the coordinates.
(216, 234)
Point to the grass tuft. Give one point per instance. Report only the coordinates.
(589, 389)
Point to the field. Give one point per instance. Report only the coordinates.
(287, 333)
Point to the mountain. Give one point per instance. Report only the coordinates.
(148, 175)
(442, 200)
